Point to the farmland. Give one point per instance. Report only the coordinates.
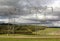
(29, 39)
(40, 34)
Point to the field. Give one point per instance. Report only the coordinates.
(29, 39)
(49, 31)
(41, 34)
(48, 34)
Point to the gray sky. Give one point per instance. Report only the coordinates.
(27, 15)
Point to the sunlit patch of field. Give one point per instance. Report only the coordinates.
(49, 31)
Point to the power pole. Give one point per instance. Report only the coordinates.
(9, 20)
(46, 12)
(14, 21)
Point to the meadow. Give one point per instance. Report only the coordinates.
(28, 33)
(29, 39)
(42, 35)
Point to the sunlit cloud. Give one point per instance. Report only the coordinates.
(55, 4)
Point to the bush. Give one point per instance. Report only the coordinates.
(25, 29)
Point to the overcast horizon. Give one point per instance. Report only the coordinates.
(26, 11)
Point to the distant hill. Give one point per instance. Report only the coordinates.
(6, 24)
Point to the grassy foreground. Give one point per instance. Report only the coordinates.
(29, 39)
(52, 34)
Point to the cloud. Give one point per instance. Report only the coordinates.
(24, 15)
(8, 2)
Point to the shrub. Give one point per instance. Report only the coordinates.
(25, 29)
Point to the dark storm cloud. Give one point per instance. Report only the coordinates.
(6, 5)
(35, 2)
(8, 2)
(24, 4)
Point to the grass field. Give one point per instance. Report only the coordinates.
(49, 31)
(49, 34)
(27, 39)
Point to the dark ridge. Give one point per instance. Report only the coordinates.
(6, 24)
(54, 27)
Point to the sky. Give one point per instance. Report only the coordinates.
(30, 11)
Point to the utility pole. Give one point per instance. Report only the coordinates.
(46, 13)
(9, 26)
(14, 20)
(35, 12)
(8, 22)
